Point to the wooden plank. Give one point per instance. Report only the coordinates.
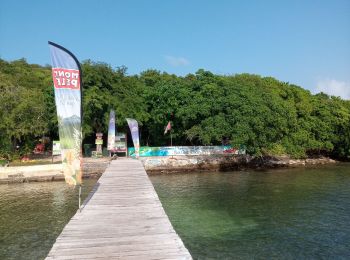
(122, 218)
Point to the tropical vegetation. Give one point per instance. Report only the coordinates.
(266, 115)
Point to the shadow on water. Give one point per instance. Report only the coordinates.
(91, 194)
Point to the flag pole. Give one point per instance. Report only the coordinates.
(171, 142)
(80, 198)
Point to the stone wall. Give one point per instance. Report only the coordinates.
(222, 163)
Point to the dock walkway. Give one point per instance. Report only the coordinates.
(121, 219)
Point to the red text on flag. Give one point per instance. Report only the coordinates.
(66, 78)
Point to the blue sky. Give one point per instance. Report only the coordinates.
(302, 42)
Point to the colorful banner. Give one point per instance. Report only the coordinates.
(111, 131)
(134, 129)
(66, 78)
(186, 150)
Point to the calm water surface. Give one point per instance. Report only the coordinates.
(32, 215)
(276, 214)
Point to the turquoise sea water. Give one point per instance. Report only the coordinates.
(275, 214)
(301, 213)
(32, 215)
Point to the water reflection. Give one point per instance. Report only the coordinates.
(283, 214)
(33, 215)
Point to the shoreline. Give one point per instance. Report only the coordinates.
(94, 168)
(175, 164)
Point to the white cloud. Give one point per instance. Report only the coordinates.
(176, 61)
(334, 88)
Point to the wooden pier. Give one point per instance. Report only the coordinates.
(121, 219)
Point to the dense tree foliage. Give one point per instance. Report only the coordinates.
(262, 113)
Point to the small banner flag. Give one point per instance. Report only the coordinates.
(66, 75)
(134, 129)
(111, 131)
(167, 128)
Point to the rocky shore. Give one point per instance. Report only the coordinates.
(156, 165)
(93, 168)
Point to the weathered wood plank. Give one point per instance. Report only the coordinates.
(122, 218)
